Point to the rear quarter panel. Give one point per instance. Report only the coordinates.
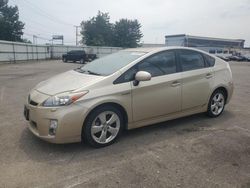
(223, 77)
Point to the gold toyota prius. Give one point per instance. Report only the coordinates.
(126, 90)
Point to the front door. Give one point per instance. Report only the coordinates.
(162, 94)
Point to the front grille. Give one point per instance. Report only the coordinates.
(33, 103)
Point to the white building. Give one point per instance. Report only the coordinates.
(212, 45)
(149, 45)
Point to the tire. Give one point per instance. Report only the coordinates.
(97, 132)
(216, 103)
(64, 59)
(82, 61)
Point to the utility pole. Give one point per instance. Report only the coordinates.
(76, 34)
(34, 39)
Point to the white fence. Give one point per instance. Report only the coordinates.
(16, 51)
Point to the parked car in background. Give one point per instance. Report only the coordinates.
(78, 55)
(234, 58)
(244, 58)
(126, 90)
(239, 58)
(223, 58)
(247, 57)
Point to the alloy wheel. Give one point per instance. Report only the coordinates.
(217, 103)
(105, 127)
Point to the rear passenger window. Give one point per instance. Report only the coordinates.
(191, 60)
(209, 60)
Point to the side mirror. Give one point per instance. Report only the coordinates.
(141, 76)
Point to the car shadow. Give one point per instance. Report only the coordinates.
(130, 141)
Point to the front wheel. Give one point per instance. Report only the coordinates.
(216, 104)
(82, 61)
(103, 126)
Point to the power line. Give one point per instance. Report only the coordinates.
(37, 36)
(43, 27)
(45, 14)
(41, 12)
(37, 27)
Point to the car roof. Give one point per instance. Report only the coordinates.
(156, 49)
(76, 50)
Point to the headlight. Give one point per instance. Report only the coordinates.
(63, 99)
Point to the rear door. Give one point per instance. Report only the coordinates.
(69, 55)
(197, 79)
(78, 55)
(75, 55)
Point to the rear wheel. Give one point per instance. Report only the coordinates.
(82, 61)
(103, 126)
(216, 103)
(64, 59)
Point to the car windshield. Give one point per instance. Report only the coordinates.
(74, 52)
(110, 63)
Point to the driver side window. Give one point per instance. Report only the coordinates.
(150, 65)
(159, 64)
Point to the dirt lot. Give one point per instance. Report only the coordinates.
(192, 152)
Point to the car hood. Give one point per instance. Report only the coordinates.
(67, 81)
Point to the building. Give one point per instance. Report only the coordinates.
(212, 45)
(149, 45)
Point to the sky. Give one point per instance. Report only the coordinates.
(220, 18)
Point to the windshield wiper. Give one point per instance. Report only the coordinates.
(94, 73)
(87, 71)
(79, 70)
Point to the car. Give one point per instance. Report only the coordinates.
(244, 58)
(78, 55)
(223, 57)
(125, 90)
(237, 58)
(247, 57)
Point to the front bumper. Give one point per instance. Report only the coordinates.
(70, 121)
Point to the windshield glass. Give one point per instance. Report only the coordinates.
(111, 63)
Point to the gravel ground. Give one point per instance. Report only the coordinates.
(195, 151)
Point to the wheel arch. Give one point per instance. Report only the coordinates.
(114, 104)
(222, 88)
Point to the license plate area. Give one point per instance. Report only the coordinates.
(26, 113)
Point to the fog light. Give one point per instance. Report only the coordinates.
(53, 127)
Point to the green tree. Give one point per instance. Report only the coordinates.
(97, 31)
(10, 26)
(26, 41)
(127, 33)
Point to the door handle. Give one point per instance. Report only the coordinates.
(126, 93)
(209, 75)
(175, 83)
